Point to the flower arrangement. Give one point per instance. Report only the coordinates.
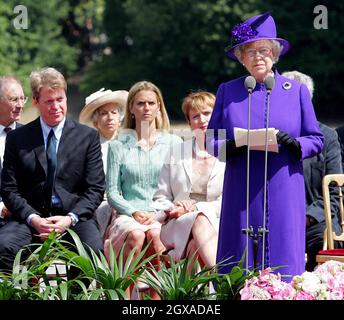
(267, 286)
(242, 32)
(326, 282)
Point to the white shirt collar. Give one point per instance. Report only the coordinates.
(12, 126)
(57, 129)
(3, 135)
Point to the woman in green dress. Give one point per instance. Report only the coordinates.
(134, 163)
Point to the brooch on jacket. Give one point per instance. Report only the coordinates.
(286, 85)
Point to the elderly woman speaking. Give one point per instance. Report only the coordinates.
(256, 46)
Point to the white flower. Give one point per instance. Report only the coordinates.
(310, 282)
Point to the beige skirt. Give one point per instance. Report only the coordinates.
(175, 234)
(121, 225)
(103, 216)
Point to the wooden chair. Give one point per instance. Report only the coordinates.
(329, 252)
(58, 269)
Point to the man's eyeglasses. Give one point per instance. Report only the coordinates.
(264, 51)
(15, 100)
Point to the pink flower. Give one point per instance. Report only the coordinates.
(337, 294)
(302, 295)
(325, 283)
(267, 286)
(254, 293)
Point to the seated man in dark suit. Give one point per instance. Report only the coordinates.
(52, 176)
(12, 101)
(326, 162)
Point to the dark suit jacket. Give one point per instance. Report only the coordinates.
(17, 126)
(340, 132)
(0, 177)
(326, 162)
(79, 179)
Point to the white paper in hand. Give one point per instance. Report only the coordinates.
(257, 138)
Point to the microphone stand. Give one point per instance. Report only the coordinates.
(262, 230)
(248, 231)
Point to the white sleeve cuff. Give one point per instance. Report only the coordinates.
(29, 218)
(1, 207)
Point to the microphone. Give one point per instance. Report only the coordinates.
(269, 83)
(250, 83)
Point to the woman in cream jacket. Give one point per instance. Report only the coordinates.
(190, 189)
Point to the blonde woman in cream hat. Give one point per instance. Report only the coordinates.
(104, 111)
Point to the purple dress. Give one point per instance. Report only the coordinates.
(291, 110)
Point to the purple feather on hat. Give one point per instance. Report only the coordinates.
(242, 32)
(255, 28)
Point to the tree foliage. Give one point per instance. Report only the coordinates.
(179, 45)
(46, 41)
(41, 44)
(316, 52)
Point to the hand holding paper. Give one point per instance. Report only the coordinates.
(257, 138)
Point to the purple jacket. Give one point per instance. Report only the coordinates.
(291, 110)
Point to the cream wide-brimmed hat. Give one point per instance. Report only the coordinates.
(100, 98)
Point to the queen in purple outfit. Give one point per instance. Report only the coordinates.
(257, 48)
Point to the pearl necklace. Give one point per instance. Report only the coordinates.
(200, 154)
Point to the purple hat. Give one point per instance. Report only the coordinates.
(256, 28)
